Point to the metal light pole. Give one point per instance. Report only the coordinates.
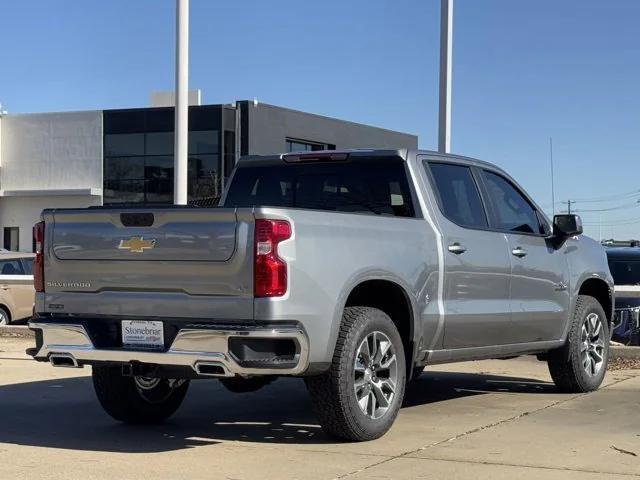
(180, 171)
(553, 188)
(444, 113)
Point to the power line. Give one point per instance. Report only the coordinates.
(628, 195)
(608, 209)
(611, 224)
(607, 198)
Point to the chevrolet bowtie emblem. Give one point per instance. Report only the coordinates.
(136, 244)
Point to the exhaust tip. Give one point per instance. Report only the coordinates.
(63, 360)
(211, 369)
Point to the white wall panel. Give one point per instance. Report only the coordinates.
(51, 151)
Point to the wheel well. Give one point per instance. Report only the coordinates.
(599, 290)
(392, 299)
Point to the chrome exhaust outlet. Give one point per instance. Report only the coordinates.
(63, 360)
(212, 369)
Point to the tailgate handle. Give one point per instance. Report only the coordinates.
(144, 219)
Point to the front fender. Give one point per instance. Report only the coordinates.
(587, 260)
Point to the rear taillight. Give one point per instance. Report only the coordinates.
(38, 262)
(269, 270)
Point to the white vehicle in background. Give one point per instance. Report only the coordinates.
(16, 286)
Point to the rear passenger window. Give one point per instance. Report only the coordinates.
(11, 267)
(458, 194)
(511, 210)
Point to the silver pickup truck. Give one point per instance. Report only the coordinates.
(352, 269)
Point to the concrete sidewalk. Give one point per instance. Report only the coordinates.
(490, 419)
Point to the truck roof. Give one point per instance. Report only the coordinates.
(402, 153)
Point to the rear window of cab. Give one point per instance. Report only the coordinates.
(377, 186)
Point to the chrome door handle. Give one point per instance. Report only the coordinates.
(519, 252)
(456, 248)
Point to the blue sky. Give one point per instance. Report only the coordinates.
(523, 71)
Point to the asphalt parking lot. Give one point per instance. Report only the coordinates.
(480, 420)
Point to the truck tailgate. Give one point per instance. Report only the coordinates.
(164, 262)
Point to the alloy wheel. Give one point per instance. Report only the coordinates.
(592, 344)
(375, 374)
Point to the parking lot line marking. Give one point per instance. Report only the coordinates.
(484, 427)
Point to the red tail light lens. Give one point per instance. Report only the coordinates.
(269, 270)
(38, 262)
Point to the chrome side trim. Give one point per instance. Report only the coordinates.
(190, 348)
(434, 357)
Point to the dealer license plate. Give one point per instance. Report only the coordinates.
(142, 334)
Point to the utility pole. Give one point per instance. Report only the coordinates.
(553, 190)
(446, 43)
(600, 227)
(569, 206)
(181, 95)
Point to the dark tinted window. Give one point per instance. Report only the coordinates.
(303, 146)
(138, 155)
(12, 238)
(203, 142)
(625, 272)
(27, 264)
(459, 197)
(11, 267)
(124, 144)
(158, 143)
(376, 186)
(511, 210)
(229, 152)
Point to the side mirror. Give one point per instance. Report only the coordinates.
(567, 225)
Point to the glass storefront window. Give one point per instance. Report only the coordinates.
(158, 167)
(302, 146)
(138, 155)
(205, 141)
(204, 181)
(123, 144)
(124, 191)
(124, 168)
(158, 143)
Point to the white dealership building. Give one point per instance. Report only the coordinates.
(88, 158)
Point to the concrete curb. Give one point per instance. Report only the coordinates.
(623, 352)
(16, 331)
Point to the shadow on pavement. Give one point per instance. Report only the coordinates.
(65, 414)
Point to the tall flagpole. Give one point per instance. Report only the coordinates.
(444, 111)
(180, 171)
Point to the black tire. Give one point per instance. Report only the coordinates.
(246, 385)
(332, 393)
(5, 318)
(125, 401)
(566, 363)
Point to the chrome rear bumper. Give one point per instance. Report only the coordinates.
(206, 351)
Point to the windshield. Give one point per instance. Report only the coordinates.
(376, 186)
(625, 272)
